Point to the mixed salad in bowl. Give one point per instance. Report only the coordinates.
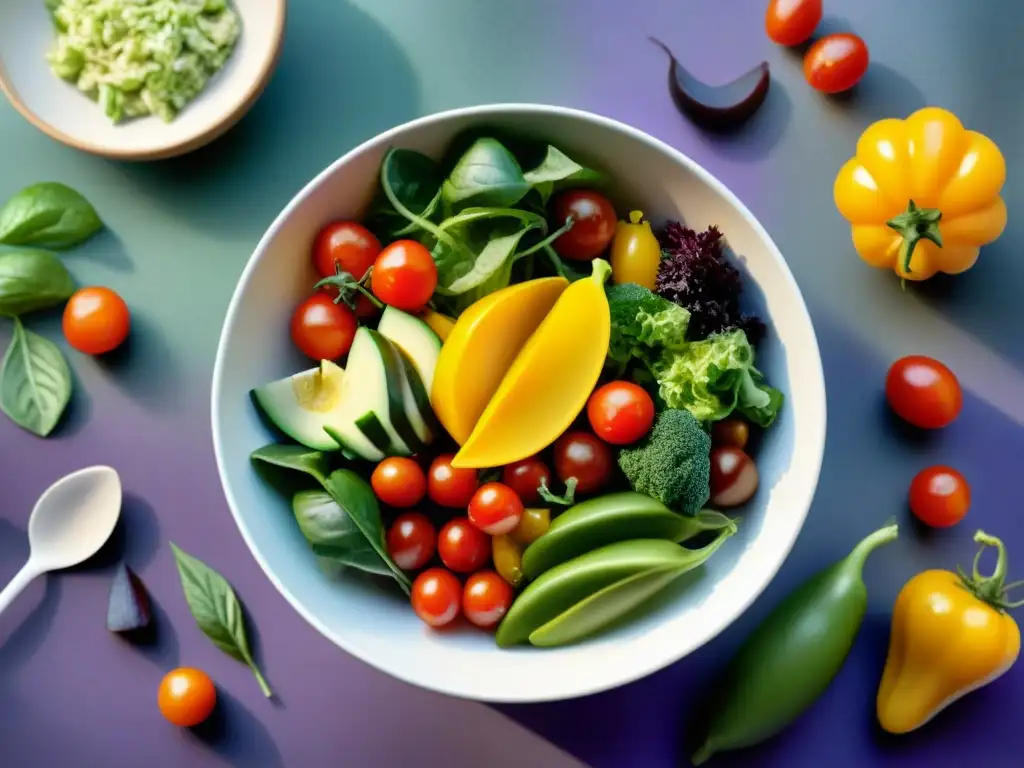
(523, 406)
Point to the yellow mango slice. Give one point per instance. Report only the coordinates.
(481, 347)
(549, 382)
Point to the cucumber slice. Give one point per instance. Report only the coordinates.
(299, 406)
(421, 400)
(415, 339)
(400, 399)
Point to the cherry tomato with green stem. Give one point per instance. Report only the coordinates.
(583, 456)
(322, 329)
(486, 599)
(404, 275)
(836, 63)
(495, 509)
(593, 225)
(399, 482)
(411, 541)
(345, 246)
(437, 597)
(186, 696)
(939, 496)
(792, 22)
(620, 412)
(462, 546)
(525, 477)
(448, 486)
(923, 392)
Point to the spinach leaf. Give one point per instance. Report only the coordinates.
(32, 280)
(493, 267)
(333, 534)
(414, 181)
(35, 381)
(296, 457)
(486, 175)
(216, 610)
(356, 499)
(558, 170)
(50, 215)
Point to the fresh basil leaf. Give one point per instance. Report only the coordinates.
(35, 381)
(216, 609)
(32, 280)
(50, 215)
(357, 500)
(495, 259)
(559, 167)
(295, 457)
(486, 175)
(332, 533)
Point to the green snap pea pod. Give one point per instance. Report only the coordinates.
(569, 583)
(608, 519)
(791, 657)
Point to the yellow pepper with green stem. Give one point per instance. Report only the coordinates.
(951, 634)
(636, 252)
(923, 194)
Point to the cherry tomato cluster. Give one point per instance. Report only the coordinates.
(356, 276)
(926, 394)
(833, 63)
(491, 517)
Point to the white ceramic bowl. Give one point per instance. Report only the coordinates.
(62, 112)
(382, 630)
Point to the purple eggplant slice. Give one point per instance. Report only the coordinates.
(716, 107)
(128, 609)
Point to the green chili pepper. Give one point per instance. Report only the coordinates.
(792, 656)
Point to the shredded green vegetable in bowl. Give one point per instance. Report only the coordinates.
(142, 57)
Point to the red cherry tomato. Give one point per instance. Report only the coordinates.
(399, 481)
(583, 456)
(96, 320)
(411, 541)
(593, 223)
(462, 546)
(524, 477)
(836, 63)
(448, 486)
(495, 509)
(347, 246)
(734, 477)
(186, 696)
(620, 412)
(321, 329)
(791, 22)
(404, 275)
(486, 599)
(939, 496)
(923, 392)
(364, 308)
(437, 597)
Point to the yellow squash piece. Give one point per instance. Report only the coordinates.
(482, 346)
(550, 380)
(440, 324)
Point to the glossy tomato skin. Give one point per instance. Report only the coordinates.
(836, 63)
(345, 246)
(583, 456)
(411, 541)
(448, 486)
(792, 22)
(321, 329)
(923, 392)
(437, 597)
(486, 599)
(593, 228)
(495, 509)
(620, 412)
(462, 546)
(186, 696)
(404, 275)
(939, 496)
(399, 482)
(524, 477)
(96, 320)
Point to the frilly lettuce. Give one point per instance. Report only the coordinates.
(644, 325)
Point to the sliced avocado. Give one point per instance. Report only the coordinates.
(302, 404)
(415, 339)
(399, 394)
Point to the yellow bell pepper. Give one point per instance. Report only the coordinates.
(508, 559)
(951, 635)
(922, 194)
(636, 252)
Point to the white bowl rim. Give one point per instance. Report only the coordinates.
(644, 667)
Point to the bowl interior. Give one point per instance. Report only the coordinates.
(366, 619)
(60, 109)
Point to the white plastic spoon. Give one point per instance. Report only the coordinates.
(71, 521)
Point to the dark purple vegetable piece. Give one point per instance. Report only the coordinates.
(716, 107)
(128, 609)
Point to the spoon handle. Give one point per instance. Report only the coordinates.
(21, 580)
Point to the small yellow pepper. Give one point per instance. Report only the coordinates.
(636, 253)
(508, 559)
(535, 523)
(923, 194)
(950, 635)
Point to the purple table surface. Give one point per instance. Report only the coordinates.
(180, 233)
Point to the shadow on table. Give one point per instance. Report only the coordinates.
(342, 78)
(233, 732)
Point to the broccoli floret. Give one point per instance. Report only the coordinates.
(673, 463)
(643, 324)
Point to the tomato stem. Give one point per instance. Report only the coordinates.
(914, 225)
(991, 589)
